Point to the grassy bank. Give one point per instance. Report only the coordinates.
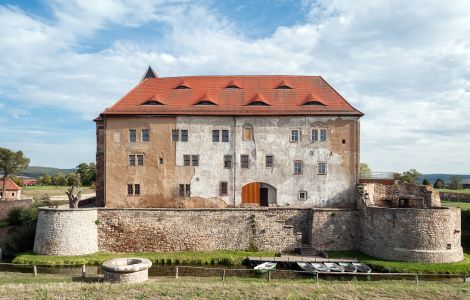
(38, 191)
(461, 205)
(380, 265)
(232, 258)
(462, 191)
(231, 288)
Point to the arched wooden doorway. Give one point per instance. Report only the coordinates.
(258, 194)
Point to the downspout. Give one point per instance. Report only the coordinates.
(234, 158)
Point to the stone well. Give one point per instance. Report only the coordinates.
(126, 270)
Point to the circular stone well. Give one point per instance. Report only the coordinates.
(126, 270)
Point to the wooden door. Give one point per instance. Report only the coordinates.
(251, 194)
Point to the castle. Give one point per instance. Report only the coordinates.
(244, 162)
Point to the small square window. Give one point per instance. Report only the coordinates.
(321, 168)
(132, 135)
(294, 135)
(130, 189)
(343, 141)
(297, 167)
(195, 160)
(188, 190)
(140, 160)
(145, 135)
(323, 135)
(175, 135)
(184, 135)
(225, 136)
(244, 161)
(449, 246)
(302, 195)
(223, 188)
(187, 160)
(131, 160)
(314, 135)
(136, 189)
(161, 161)
(269, 161)
(181, 191)
(215, 136)
(227, 161)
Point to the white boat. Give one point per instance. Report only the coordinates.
(348, 267)
(362, 268)
(334, 267)
(265, 267)
(307, 267)
(320, 267)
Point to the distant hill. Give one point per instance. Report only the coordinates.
(36, 172)
(446, 177)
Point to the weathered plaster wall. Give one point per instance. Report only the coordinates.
(66, 232)
(408, 234)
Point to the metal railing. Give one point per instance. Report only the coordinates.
(377, 175)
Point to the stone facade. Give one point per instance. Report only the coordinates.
(334, 229)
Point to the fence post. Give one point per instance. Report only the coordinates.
(223, 274)
(176, 272)
(269, 275)
(83, 271)
(416, 278)
(35, 271)
(316, 277)
(464, 278)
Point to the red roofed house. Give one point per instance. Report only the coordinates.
(13, 191)
(228, 141)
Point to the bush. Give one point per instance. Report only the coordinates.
(20, 239)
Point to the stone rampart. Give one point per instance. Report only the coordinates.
(334, 229)
(8, 205)
(408, 234)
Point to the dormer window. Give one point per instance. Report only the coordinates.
(233, 85)
(314, 103)
(258, 103)
(152, 102)
(283, 86)
(182, 87)
(205, 102)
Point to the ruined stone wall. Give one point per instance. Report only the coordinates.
(408, 234)
(334, 229)
(7, 206)
(66, 232)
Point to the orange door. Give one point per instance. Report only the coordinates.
(251, 194)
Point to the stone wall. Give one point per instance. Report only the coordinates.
(66, 232)
(334, 229)
(407, 234)
(9, 205)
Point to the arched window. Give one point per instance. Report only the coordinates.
(152, 102)
(247, 132)
(314, 103)
(205, 102)
(258, 103)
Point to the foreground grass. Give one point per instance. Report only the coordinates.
(461, 205)
(38, 191)
(231, 288)
(182, 257)
(379, 265)
(462, 191)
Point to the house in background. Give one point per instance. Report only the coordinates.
(13, 191)
(228, 141)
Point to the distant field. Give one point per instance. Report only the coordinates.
(461, 205)
(37, 191)
(462, 191)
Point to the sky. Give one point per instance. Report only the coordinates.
(404, 64)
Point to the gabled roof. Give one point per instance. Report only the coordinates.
(233, 101)
(11, 185)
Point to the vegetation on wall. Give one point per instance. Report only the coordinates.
(410, 176)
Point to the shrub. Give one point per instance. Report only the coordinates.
(20, 239)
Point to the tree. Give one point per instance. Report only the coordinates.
(87, 173)
(439, 184)
(18, 180)
(365, 171)
(426, 181)
(409, 176)
(72, 179)
(46, 180)
(73, 199)
(455, 183)
(10, 163)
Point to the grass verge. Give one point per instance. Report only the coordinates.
(461, 191)
(379, 265)
(180, 257)
(461, 205)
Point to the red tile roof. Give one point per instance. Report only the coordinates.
(11, 185)
(233, 101)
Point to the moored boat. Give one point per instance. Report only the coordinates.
(307, 267)
(362, 268)
(319, 267)
(334, 267)
(348, 267)
(265, 267)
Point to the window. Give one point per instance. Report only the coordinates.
(294, 135)
(269, 161)
(152, 102)
(195, 160)
(403, 202)
(205, 102)
(225, 136)
(188, 190)
(321, 168)
(215, 136)
(140, 160)
(185, 190)
(130, 189)
(302, 195)
(161, 161)
(323, 135)
(131, 160)
(145, 135)
(136, 189)
(187, 160)
(258, 103)
(244, 161)
(343, 141)
(132, 135)
(175, 135)
(314, 135)
(247, 132)
(184, 135)
(223, 188)
(314, 103)
(227, 161)
(297, 167)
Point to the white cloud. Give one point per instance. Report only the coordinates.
(406, 65)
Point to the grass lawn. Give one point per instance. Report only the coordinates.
(14, 286)
(39, 190)
(182, 257)
(461, 205)
(462, 191)
(379, 265)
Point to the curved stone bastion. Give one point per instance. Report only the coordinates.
(126, 270)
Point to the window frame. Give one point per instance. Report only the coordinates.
(323, 138)
(314, 137)
(244, 161)
(223, 188)
(145, 137)
(137, 189)
(130, 189)
(249, 128)
(132, 135)
(225, 136)
(140, 162)
(195, 160)
(228, 161)
(291, 135)
(186, 160)
(300, 170)
(304, 198)
(184, 135)
(175, 135)
(271, 164)
(215, 135)
(325, 168)
(132, 160)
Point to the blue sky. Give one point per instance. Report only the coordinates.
(405, 64)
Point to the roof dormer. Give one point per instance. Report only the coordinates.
(233, 85)
(283, 86)
(313, 101)
(257, 100)
(182, 86)
(152, 102)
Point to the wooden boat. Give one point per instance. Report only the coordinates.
(320, 267)
(362, 268)
(348, 267)
(265, 267)
(334, 267)
(307, 267)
